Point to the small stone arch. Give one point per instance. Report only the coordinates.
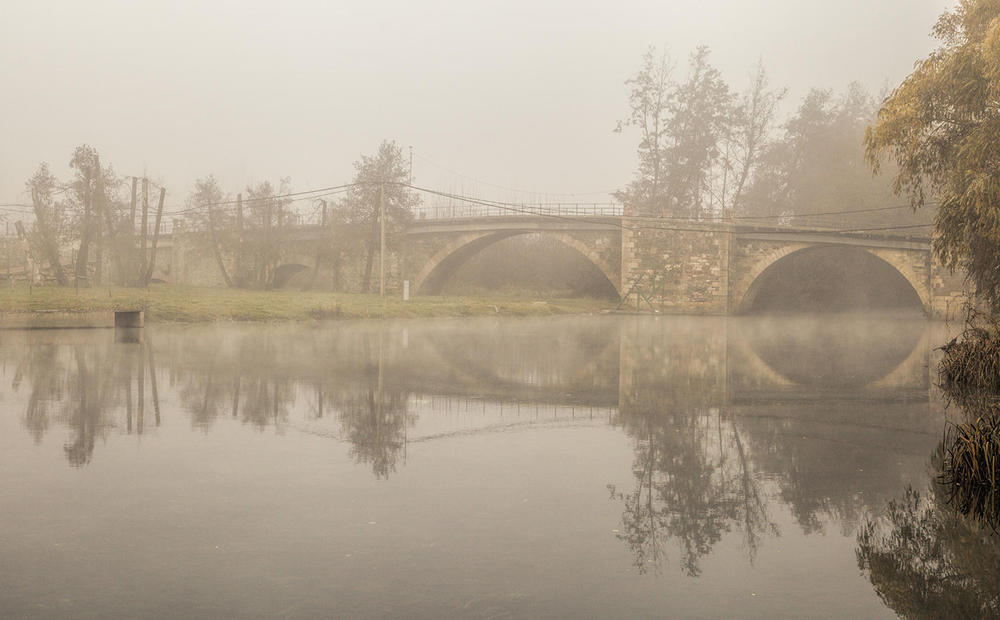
(436, 271)
(744, 293)
(284, 274)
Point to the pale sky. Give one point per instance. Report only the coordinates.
(520, 94)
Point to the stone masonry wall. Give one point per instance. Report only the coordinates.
(683, 272)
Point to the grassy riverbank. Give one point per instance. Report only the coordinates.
(167, 303)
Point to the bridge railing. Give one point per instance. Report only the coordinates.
(569, 209)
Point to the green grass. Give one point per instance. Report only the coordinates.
(168, 303)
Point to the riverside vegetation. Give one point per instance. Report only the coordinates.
(169, 303)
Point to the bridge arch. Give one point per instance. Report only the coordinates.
(436, 271)
(284, 274)
(779, 265)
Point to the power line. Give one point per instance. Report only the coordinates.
(332, 189)
(329, 191)
(521, 210)
(886, 228)
(315, 193)
(845, 212)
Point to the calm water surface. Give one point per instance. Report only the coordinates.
(571, 467)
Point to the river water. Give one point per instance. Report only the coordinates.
(613, 466)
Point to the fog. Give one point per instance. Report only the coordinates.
(490, 95)
(490, 309)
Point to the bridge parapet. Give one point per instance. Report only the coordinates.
(568, 209)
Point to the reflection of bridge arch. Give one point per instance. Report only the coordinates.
(744, 291)
(794, 355)
(432, 277)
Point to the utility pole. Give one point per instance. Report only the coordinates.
(411, 166)
(381, 251)
(156, 237)
(143, 259)
(133, 259)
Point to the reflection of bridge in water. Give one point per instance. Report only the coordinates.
(724, 419)
(442, 379)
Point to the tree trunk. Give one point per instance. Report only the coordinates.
(144, 232)
(130, 278)
(98, 222)
(238, 269)
(85, 231)
(372, 240)
(215, 247)
(156, 237)
(50, 244)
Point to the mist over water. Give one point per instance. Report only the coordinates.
(611, 466)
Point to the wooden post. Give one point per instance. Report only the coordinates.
(156, 236)
(129, 278)
(116, 246)
(29, 264)
(145, 230)
(99, 222)
(152, 381)
(381, 251)
(131, 219)
(238, 267)
(215, 247)
(141, 400)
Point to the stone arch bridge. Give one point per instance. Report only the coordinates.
(695, 268)
(689, 268)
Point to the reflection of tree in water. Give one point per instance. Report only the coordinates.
(86, 387)
(926, 561)
(374, 414)
(257, 378)
(45, 368)
(694, 483)
(238, 378)
(375, 425)
(88, 400)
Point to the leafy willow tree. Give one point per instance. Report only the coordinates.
(379, 179)
(941, 126)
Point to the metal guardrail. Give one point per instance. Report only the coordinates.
(569, 209)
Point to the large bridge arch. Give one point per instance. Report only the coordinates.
(906, 265)
(435, 272)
